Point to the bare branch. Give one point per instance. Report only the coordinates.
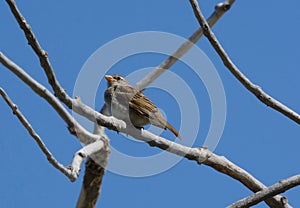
(70, 174)
(42, 54)
(204, 156)
(89, 113)
(92, 181)
(273, 190)
(220, 9)
(87, 150)
(255, 89)
(200, 155)
(73, 126)
(94, 171)
(225, 166)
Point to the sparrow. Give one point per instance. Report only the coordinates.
(130, 105)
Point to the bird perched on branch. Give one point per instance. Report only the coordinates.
(127, 103)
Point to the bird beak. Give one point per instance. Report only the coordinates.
(109, 78)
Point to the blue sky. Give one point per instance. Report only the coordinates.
(261, 38)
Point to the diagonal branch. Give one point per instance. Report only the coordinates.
(254, 89)
(73, 126)
(70, 174)
(200, 155)
(41, 53)
(273, 190)
(220, 10)
(204, 156)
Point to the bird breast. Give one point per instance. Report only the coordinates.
(117, 102)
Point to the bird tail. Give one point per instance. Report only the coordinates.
(173, 130)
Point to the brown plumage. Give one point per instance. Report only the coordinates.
(121, 98)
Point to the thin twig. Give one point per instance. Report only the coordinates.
(220, 10)
(255, 89)
(70, 174)
(273, 190)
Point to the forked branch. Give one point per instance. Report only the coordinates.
(69, 173)
(273, 190)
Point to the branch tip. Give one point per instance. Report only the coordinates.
(222, 7)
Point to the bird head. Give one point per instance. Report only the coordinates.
(115, 79)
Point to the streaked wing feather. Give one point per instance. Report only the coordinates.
(142, 104)
(139, 102)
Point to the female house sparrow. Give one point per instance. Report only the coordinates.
(130, 105)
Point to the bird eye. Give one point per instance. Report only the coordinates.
(118, 78)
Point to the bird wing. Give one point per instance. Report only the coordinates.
(137, 101)
(142, 104)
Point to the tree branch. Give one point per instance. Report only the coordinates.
(69, 173)
(254, 89)
(91, 185)
(88, 151)
(73, 126)
(94, 172)
(220, 10)
(273, 190)
(41, 53)
(200, 155)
